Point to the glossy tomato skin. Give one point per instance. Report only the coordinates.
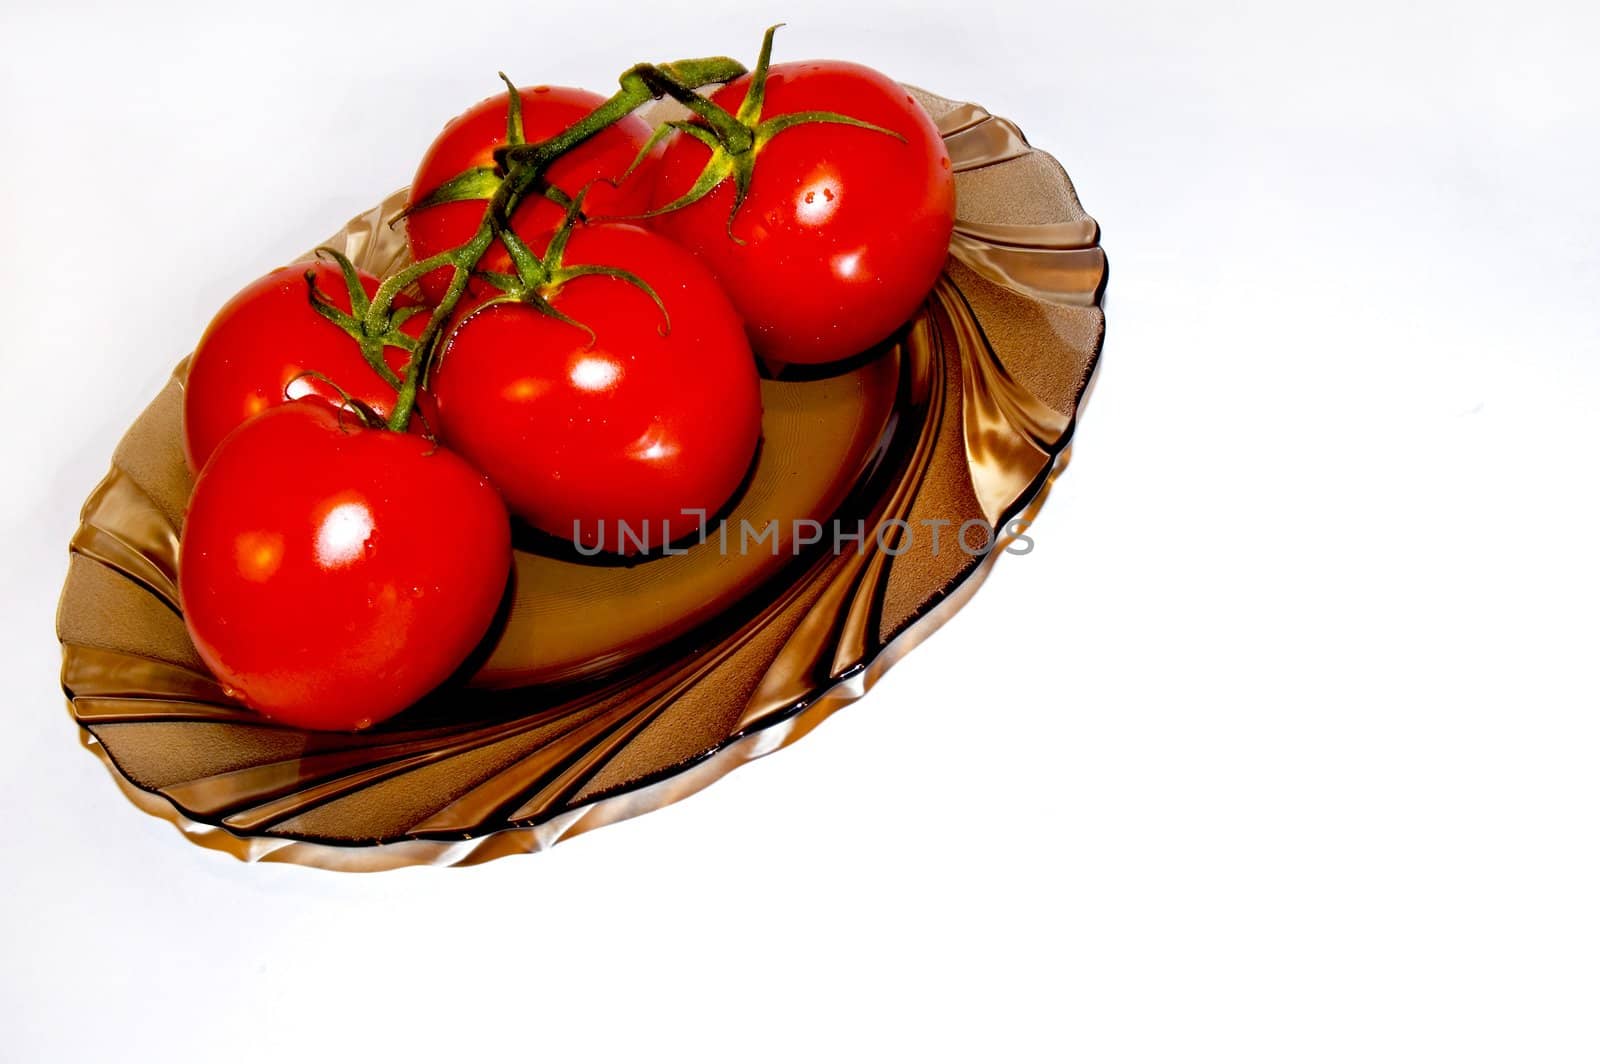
(257, 350)
(636, 426)
(844, 230)
(469, 141)
(330, 574)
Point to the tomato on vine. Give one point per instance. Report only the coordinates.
(821, 195)
(623, 393)
(333, 572)
(458, 174)
(335, 565)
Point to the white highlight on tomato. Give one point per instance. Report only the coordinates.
(594, 374)
(342, 534)
(847, 264)
(651, 447)
(299, 386)
(816, 199)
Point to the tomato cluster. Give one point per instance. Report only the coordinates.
(574, 345)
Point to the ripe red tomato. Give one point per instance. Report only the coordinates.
(469, 142)
(257, 350)
(331, 574)
(636, 425)
(844, 230)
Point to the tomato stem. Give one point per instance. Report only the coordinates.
(369, 417)
(524, 167)
(513, 112)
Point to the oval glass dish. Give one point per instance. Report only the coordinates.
(607, 690)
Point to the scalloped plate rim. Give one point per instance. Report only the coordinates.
(647, 794)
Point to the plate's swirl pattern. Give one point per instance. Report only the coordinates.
(586, 706)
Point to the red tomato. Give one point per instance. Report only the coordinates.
(255, 352)
(331, 574)
(469, 142)
(844, 230)
(635, 426)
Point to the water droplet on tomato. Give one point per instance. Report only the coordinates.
(416, 591)
(363, 723)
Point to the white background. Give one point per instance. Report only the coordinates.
(1282, 745)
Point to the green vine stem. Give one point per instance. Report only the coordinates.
(525, 166)
(734, 140)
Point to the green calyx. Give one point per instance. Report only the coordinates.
(537, 278)
(482, 182)
(375, 323)
(371, 334)
(735, 140)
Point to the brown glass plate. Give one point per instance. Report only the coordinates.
(608, 690)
